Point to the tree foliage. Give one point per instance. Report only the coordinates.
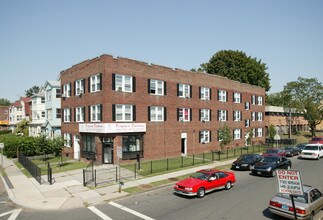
(32, 91)
(236, 65)
(225, 136)
(272, 131)
(306, 95)
(4, 102)
(22, 127)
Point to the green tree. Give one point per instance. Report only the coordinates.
(277, 99)
(272, 131)
(225, 136)
(22, 127)
(306, 95)
(4, 102)
(236, 65)
(32, 91)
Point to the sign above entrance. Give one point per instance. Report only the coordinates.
(108, 128)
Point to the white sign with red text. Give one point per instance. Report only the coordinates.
(290, 182)
(112, 127)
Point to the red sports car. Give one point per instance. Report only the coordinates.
(204, 181)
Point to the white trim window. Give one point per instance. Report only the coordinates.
(222, 95)
(205, 93)
(184, 91)
(247, 123)
(79, 114)
(156, 113)
(259, 116)
(67, 140)
(95, 83)
(67, 90)
(237, 115)
(95, 112)
(123, 83)
(124, 112)
(253, 116)
(237, 134)
(236, 97)
(222, 115)
(156, 87)
(253, 99)
(205, 136)
(79, 87)
(67, 115)
(205, 114)
(259, 132)
(184, 114)
(247, 105)
(259, 100)
(253, 132)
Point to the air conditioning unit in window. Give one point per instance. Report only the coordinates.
(181, 119)
(203, 141)
(119, 89)
(187, 95)
(81, 92)
(203, 119)
(64, 96)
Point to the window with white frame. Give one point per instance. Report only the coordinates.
(156, 87)
(184, 90)
(247, 105)
(48, 95)
(259, 116)
(49, 114)
(124, 112)
(205, 114)
(79, 111)
(253, 99)
(259, 132)
(253, 116)
(95, 83)
(259, 100)
(205, 93)
(156, 113)
(95, 112)
(58, 113)
(67, 140)
(237, 115)
(205, 136)
(253, 132)
(237, 97)
(237, 134)
(79, 87)
(67, 115)
(222, 95)
(184, 114)
(222, 115)
(123, 83)
(247, 123)
(67, 90)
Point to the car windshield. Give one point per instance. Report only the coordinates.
(272, 151)
(200, 175)
(311, 147)
(246, 157)
(302, 199)
(269, 159)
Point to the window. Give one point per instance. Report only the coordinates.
(247, 105)
(58, 93)
(42, 100)
(184, 90)
(95, 112)
(259, 116)
(222, 115)
(67, 115)
(123, 83)
(236, 115)
(259, 100)
(88, 145)
(205, 136)
(259, 132)
(253, 116)
(43, 114)
(156, 113)
(95, 83)
(222, 95)
(253, 99)
(58, 113)
(67, 140)
(205, 93)
(236, 97)
(131, 143)
(247, 123)
(124, 112)
(184, 114)
(49, 95)
(79, 114)
(67, 89)
(205, 114)
(156, 87)
(237, 134)
(49, 114)
(79, 87)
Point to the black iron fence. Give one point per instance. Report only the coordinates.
(32, 168)
(49, 174)
(89, 175)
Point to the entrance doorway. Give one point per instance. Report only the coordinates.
(183, 143)
(76, 147)
(108, 153)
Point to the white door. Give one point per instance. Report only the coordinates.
(76, 147)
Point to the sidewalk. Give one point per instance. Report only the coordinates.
(68, 191)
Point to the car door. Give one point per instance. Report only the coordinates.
(316, 200)
(212, 182)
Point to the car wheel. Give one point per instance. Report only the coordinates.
(228, 185)
(201, 192)
(318, 157)
(273, 173)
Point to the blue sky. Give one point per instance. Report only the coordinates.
(40, 38)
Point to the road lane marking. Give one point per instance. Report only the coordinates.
(14, 214)
(99, 213)
(131, 211)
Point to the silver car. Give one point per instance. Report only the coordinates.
(306, 206)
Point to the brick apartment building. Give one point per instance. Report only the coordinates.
(4, 117)
(112, 103)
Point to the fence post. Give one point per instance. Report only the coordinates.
(151, 167)
(95, 178)
(167, 162)
(193, 159)
(116, 174)
(227, 153)
(203, 158)
(134, 169)
(219, 155)
(212, 155)
(83, 177)
(182, 161)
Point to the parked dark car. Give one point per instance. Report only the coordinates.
(301, 146)
(268, 165)
(245, 161)
(291, 151)
(274, 152)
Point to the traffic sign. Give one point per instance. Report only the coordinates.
(276, 137)
(119, 152)
(290, 182)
